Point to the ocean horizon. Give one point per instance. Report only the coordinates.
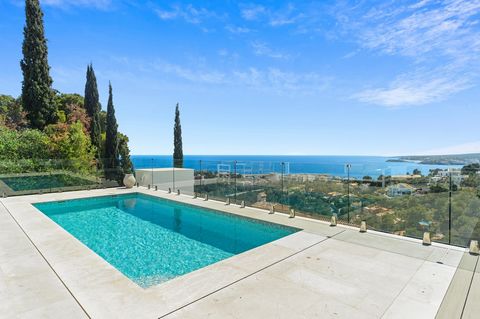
(360, 166)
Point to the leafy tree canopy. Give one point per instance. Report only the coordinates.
(471, 169)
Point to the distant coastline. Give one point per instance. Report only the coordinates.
(457, 159)
(397, 160)
(360, 166)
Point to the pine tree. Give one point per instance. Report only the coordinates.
(111, 140)
(37, 93)
(93, 108)
(177, 140)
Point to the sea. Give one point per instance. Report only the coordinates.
(341, 166)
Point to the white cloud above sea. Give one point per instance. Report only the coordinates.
(429, 33)
(437, 40)
(418, 88)
(268, 79)
(464, 148)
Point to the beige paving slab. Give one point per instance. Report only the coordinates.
(308, 274)
(472, 305)
(28, 286)
(105, 292)
(263, 296)
(333, 279)
(454, 300)
(447, 256)
(405, 246)
(423, 294)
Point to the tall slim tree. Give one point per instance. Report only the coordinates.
(111, 140)
(93, 108)
(177, 140)
(37, 93)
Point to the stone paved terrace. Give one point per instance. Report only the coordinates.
(319, 272)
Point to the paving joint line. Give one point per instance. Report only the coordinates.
(469, 287)
(245, 277)
(49, 265)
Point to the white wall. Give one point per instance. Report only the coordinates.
(165, 178)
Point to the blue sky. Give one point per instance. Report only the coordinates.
(271, 77)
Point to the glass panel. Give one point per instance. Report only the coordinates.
(406, 199)
(465, 205)
(45, 176)
(407, 202)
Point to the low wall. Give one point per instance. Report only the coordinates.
(165, 178)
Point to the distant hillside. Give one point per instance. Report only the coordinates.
(456, 159)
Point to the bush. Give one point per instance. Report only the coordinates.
(23, 151)
(72, 145)
(17, 145)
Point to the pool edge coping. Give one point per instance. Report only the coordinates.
(33, 222)
(152, 301)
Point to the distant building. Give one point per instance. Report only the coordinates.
(454, 173)
(400, 189)
(436, 179)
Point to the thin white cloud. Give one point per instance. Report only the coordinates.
(273, 17)
(197, 75)
(288, 15)
(237, 29)
(272, 80)
(443, 28)
(262, 49)
(188, 13)
(282, 82)
(430, 33)
(253, 12)
(464, 148)
(418, 88)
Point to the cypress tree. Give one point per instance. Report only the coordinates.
(177, 140)
(93, 108)
(37, 93)
(111, 140)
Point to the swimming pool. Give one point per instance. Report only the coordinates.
(152, 240)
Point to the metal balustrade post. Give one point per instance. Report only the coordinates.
(235, 179)
(348, 192)
(151, 167)
(201, 175)
(173, 177)
(450, 208)
(283, 173)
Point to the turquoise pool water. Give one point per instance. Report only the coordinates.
(152, 240)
